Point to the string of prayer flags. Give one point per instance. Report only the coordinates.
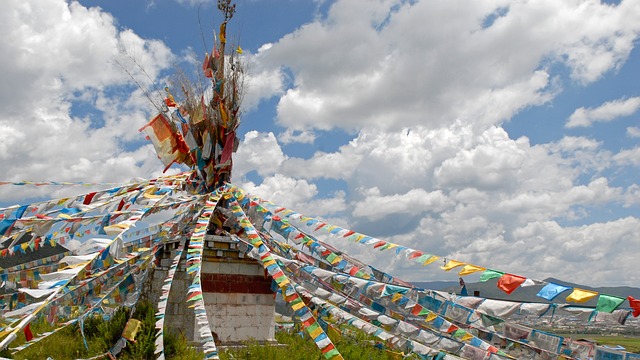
(506, 282)
(162, 302)
(307, 319)
(194, 268)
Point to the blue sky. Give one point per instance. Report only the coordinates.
(501, 133)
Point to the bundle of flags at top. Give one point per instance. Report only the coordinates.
(200, 133)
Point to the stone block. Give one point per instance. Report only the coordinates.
(229, 267)
(210, 267)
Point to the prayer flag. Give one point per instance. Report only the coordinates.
(131, 329)
(508, 282)
(580, 296)
(608, 303)
(551, 290)
(635, 305)
(490, 274)
(27, 332)
(470, 269)
(451, 264)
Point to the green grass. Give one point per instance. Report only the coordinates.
(101, 335)
(300, 347)
(631, 344)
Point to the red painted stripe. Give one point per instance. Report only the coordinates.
(234, 283)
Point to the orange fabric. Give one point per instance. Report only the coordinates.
(508, 282)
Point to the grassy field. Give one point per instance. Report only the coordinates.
(101, 335)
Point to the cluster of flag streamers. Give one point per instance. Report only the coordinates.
(95, 280)
(290, 295)
(317, 283)
(505, 281)
(491, 307)
(444, 342)
(199, 133)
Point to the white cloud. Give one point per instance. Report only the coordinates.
(398, 64)
(628, 157)
(259, 152)
(293, 136)
(296, 194)
(459, 193)
(425, 86)
(63, 55)
(260, 82)
(633, 132)
(374, 206)
(606, 112)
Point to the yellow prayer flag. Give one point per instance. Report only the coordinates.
(580, 296)
(394, 355)
(131, 329)
(223, 33)
(451, 264)
(297, 306)
(466, 337)
(430, 317)
(223, 115)
(239, 50)
(269, 262)
(333, 333)
(315, 332)
(396, 297)
(470, 269)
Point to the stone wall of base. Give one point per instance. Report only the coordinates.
(237, 296)
(241, 317)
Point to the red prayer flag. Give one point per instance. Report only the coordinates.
(27, 332)
(88, 198)
(379, 243)
(416, 310)
(635, 305)
(508, 283)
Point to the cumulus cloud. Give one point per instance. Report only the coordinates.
(425, 87)
(259, 152)
(606, 112)
(63, 56)
(633, 132)
(397, 64)
(297, 194)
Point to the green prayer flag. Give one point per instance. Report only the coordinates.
(608, 303)
(331, 353)
(459, 333)
(423, 258)
(490, 274)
